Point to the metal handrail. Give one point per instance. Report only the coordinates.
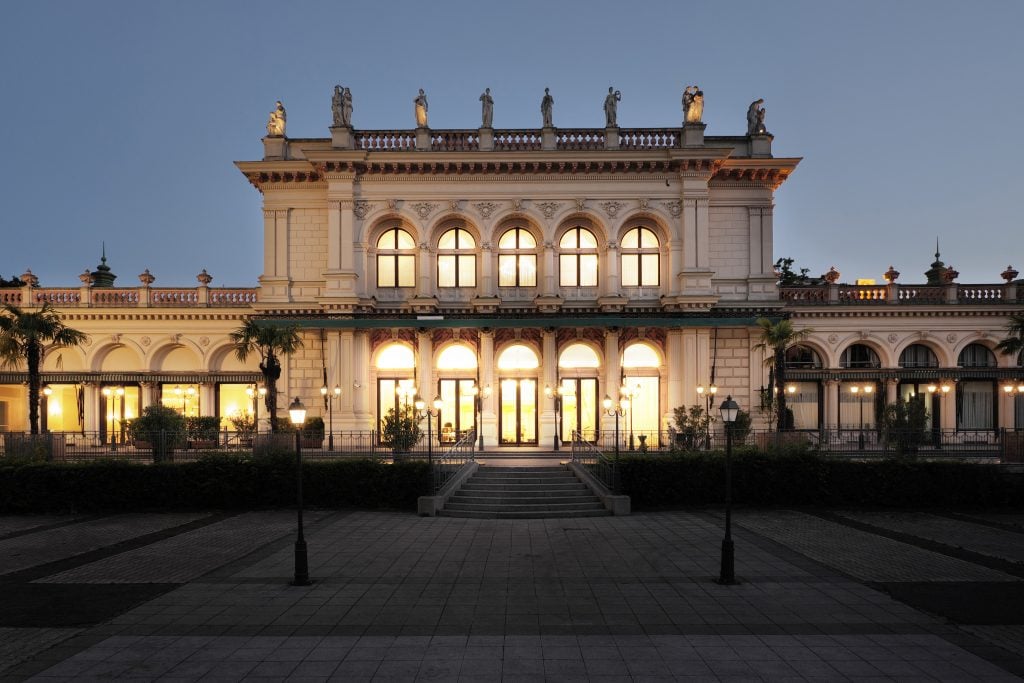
(604, 467)
(449, 462)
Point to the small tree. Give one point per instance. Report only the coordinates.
(27, 336)
(270, 341)
(904, 423)
(401, 429)
(776, 338)
(162, 427)
(1013, 343)
(692, 426)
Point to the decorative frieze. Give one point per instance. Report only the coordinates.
(612, 209)
(423, 209)
(549, 209)
(486, 208)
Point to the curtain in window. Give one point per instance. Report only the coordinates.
(804, 404)
(974, 405)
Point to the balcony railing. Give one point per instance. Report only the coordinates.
(131, 297)
(861, 295)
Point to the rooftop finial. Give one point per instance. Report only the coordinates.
(103, 255)
(936, 247)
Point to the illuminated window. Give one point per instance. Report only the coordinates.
(802, 357)
(640, 258)
(396, 259)
(518, 357)
(578, 356)
(457, 357)
(396, 357)
(640, 355)
(517, 264)
(577, 262)
(456, 259)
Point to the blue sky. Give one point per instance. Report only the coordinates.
(122, 119)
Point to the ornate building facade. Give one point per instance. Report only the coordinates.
(520, 276)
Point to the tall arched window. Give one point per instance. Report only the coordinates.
(517, 260)
(976, 397)
(577, 262)
(859, 356)
(517, 395)
(640, 258)
(918, 356)
(396, 383)
(456, 259)
(804, 398)
(641, 384)
(396, 259)
(579, 400)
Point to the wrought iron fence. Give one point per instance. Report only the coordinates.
(603, 466)
(451, 460)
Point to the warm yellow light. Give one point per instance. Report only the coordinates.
(624, 404)
(866, 281)
(323, 390)
(700, 389)
(53, 407)
(1008, 388)
(107, 392)
(868, 388)
(713, 389)
(946, 388)
(932, 388)
(791, 388)
(607, 402)
(854, 389)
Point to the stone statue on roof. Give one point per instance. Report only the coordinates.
(276, 122)
(611, 107)
(487, 107)
(693, 104)
(755, 118)
(421, 109)
(547, 105)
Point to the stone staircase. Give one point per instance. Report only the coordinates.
(523, 493)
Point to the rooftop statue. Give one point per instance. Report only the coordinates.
(755, 118)
(693, 104)
(341, 107)
(277, 120)
(421, 109)
(547, 104)
(488, 108)
(611, 106)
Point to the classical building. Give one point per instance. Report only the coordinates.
(520, 276)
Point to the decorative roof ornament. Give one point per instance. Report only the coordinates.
(891, 275)
(950, 274)
(102, 276)
(832, 276)
(936, 274)
(146, 278)
(204, 278)
(1010, 274)
(29, 278)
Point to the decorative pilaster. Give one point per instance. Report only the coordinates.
(274, 281)
(674, 356)
(831, 404)
(487, 379)
(361, 389)
(547, 139)
(891, 390)
(425, 365)
(613, 370)
(549, 359)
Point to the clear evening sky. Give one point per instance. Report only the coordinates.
(121, 120)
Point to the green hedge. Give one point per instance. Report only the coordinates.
(795, 477)
(214, 482)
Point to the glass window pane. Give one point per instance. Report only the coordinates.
(649, 266)
(466, 240)
(648, 240)
(445, 271)
(567, 270)
(508, 239)
(528, 270)
(506, 270)
(406, 271)
(587, 239)
(630, 270)
(518, 357)
(975, 405)
(631, 239)
(509, 396)
(587, 399)
(457, 357)
(640, 356)
(588, 270)
(404, 240)
(448, 240)
(387, 240)
(644, 405)
(234, 402)
(386, 271)
(396, 357)
(570, 239)
(467, 270)
(578, 356)
(527, 410)
(526, 240)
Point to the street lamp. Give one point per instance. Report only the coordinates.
(44, 404)
(297, 415)
(429, 413)
(190, 393)
(709, 396)
(556, 394)
(478, 398)
(941, 391)
(727, 575)
(329, 398)
(256, 394)
(860, 392)
(615, 410)
(113, 395)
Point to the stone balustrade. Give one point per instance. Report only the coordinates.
(129, 297)
(579, 138)
(385, 140)
(648, 138)
(855, 295)
(516, 140)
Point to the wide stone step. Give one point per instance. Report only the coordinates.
(567, 488)
(538, 493)
(471, 514)
(513, 507)
(504, 500)
(512, 476)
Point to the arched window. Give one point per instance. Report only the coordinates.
(578, 398)
(640, 258)
(859, 356)
(577, 262)
(517, 261)
(396, 357)
(456, 259)
(396, 259)
(578, 356)
(918, 356)
(396, 364)
(518, 357)
(640, 355)
(457, 357)
(976, 356)
(802, 357)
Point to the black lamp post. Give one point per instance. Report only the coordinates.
(556, 394)
(297, 414)
(727, 575)
(479, 396)
(860, 392)
(708, 395)
(616, 410)
(430, 413)
(329, 399)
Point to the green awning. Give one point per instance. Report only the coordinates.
(541, 321)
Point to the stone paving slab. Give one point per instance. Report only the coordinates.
(629, 658)
(20, 644)
(978, 538)
(859, 553)
(15, 524)
(185, 556)
(26, 551)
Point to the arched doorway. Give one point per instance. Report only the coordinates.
(641, 383)
(396, 379)
(456, 367)
(517, 396)
(578, 367)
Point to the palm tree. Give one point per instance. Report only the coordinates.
(270, 341)
(1013, 343)
(777, 338)
(28, 336)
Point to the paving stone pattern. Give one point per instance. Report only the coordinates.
(978, 538)
(20, 644)
(22, 552)
(861, 554)
(15, 524)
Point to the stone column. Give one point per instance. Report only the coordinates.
(426, 266)
(613, 370)
(425, 365)
(891, 391)
(675, 265)
(488, 415)
(611, 288)
(549, 361)
(550, 270)
(362, 415)
(207, 398)
(92, 416)
(832, 403)
(487, 280)
(674, 355)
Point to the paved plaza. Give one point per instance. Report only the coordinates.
(831, 596)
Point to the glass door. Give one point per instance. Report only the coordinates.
(644, 416)
(579, 409)
(458, 409)
(118, 404)
(517, 415)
